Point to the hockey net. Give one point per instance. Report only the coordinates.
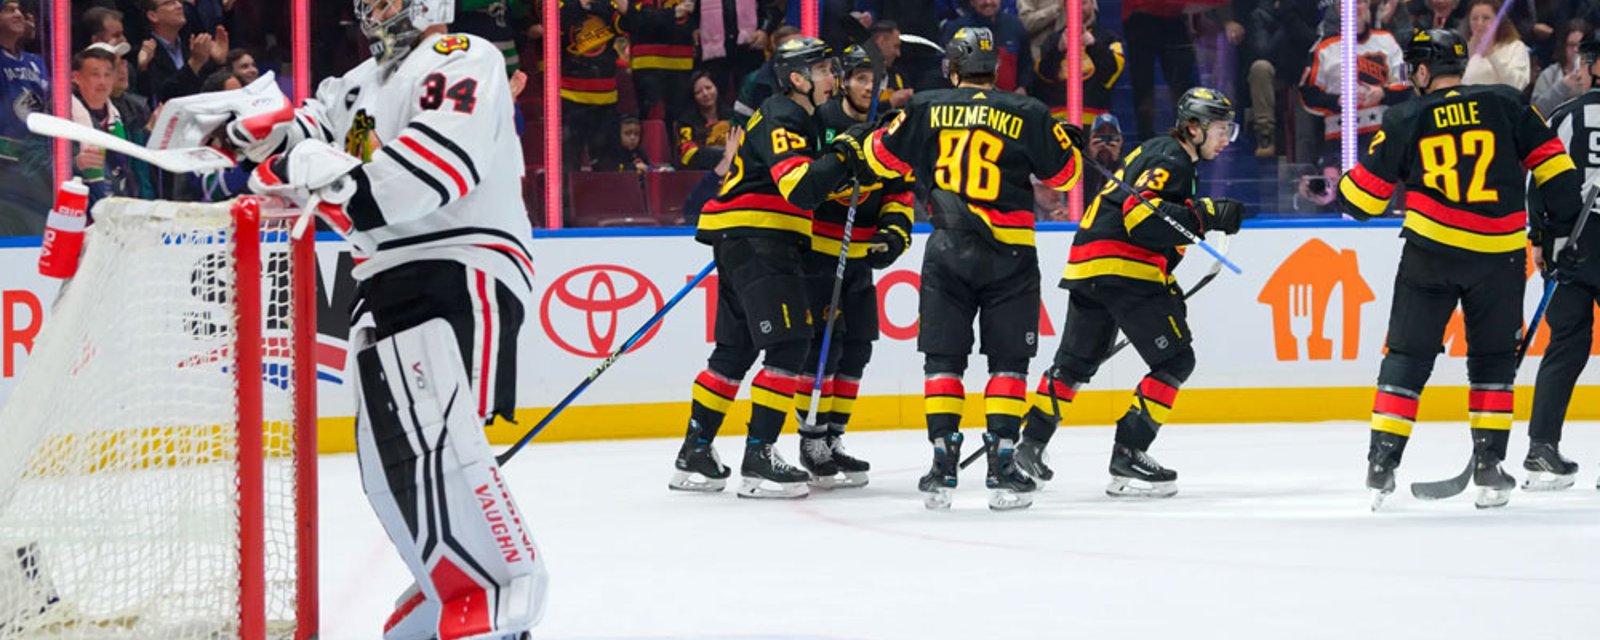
(157, 455)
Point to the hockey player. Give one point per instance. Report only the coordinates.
(758, 227)
(1571, 311)
(975, 147)
(1119, 277)
(425, 184)
(1461, 152)
(881, 233)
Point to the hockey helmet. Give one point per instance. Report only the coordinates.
(1207, 106)
(1442, 50)
(798, 55)
(855, 58)
(971, 52)
(392, 35)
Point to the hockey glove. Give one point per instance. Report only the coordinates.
(886, 246)
(1221, 214)
(848, 145)
(1075, 136)
(312, 169)
(1567, 261)
(257, 141)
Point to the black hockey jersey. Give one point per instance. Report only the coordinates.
(981, 145)
(1577, 125)
(883, 203)
(1121, 236)
(589, 52)
(658, 38)
(1462, 154)
(778, 177)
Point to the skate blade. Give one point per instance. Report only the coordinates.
(841, 480)
(1378, 496)
(764, 489)
(939, 499)
(1491, 498)
(691, 481)
(1546, 481)
(1008, 500)
(1130, 488)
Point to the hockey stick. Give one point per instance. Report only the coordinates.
(832, 310)
(1177, 226)
(190, 160)
(605, 364)
(1055, 404)
(1452, 486)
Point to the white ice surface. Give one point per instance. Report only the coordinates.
(1269, 537)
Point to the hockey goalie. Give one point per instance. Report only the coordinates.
(413, 157)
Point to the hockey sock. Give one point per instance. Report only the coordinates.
(1050, 403)
(771, 401)
(1489, 413)
(845, 389)
(1152, 403)
(1005, 400)
(943, 396)
(713, 394)
(1394, 410)
(802, 402)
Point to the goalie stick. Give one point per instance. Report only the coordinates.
(1452, 486)
(189, 160)
(1055, 404)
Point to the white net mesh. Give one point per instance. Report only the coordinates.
(119, 499)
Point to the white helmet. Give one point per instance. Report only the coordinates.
(391, 39)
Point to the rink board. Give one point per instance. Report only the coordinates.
(1297, 337)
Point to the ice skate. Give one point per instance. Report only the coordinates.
(939, 484)
(1547, 469)
(699, 467)
(1033, 460)
(768, 475)
(1010, 488)
(1494, 484)
(817, 457)
(1380, 479)
(1383, 457)
(852, 470)
(1134, 474)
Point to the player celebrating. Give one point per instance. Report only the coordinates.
(1119, 277)
(883, 222)
(1571, 311)
(1461, 152)
(976, 145)
(758, 226)
(426, 190)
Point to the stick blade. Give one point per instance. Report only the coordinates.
(1441, 489)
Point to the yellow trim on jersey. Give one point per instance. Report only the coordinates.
(1481, 243)
(754, 218)
(1370, 204)
(894, 207)
(1553, 166)
(1389, 424)
(1141, 211)
(669, 63)
(1115, 267)
(589, 97)
(829, 246)
(1009, 235)
(790, 180)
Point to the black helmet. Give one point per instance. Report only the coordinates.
(1206, 106)
(797, 55)
(854, 58)
(1442, 50)
(971, 52)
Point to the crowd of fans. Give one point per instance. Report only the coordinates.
(659, 86)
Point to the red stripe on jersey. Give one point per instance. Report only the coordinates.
(1395, 405)
(1067, 171)
(786, 165)
(876, 147)
(836, 231)
(1013, 219)
(1115, 249)
(1134, 201)
(1466, 220)
(943, 387)
(1370, 182)
(662, 50)
(1006, 387)
(763, 202)
(1490, 400)
(903, 197)
(1543, 152)
(1153, 389)
(488, 346)
(588, 84)
(455, 176)
(716, 384)
(515, 253)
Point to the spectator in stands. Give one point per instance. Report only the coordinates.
(703, 134)
(920, 66)
(101, 24)
(1157, 30)
(1103, 61)
(503, 22)
(242, 65)
(707, 188)
(206, 16)
(1043, 19)
(1015, 72)
(1498, 54)
(1567, 76)
(1436, 14)
(177, 65)
(1381, 82)
(661, 43)
(588, 85)
(25, 188)
(893, 89)
(628, 153)
(93, 76)
(734, 39)
(1277, 33)
(757, 86)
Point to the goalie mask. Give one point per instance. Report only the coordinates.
(393, 27)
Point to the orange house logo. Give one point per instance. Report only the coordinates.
(1299, 293)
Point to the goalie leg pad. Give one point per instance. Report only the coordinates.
(429, 473)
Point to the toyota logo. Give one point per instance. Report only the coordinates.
(597, 297)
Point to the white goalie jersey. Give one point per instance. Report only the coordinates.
(441, 177)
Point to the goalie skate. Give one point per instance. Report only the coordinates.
(1134, 474)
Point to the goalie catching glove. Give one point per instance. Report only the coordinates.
(312, 171)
